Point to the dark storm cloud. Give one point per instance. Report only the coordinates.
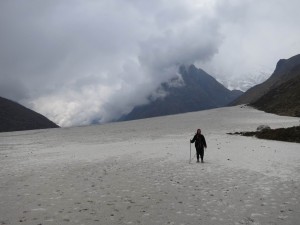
(82, 61)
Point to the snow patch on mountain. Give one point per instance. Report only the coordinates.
(243, 84)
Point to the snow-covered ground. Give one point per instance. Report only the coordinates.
(138, 172)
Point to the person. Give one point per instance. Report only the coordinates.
(200, 144)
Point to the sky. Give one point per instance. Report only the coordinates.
(80, 62)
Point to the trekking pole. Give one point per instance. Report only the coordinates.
(190, 152)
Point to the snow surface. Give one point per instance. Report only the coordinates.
(138, 172)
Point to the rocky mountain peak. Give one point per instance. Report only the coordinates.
(285, 65)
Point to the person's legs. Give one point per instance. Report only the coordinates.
(201, 154)
(197, 153)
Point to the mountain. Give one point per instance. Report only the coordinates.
(198, 91)
(243, 83)
(284, 99)
(283, 73)
(15, 117)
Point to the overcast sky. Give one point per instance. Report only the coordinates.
(81, 61)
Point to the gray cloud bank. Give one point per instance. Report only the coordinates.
(79, 62)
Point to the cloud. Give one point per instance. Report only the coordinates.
(256, 35)
(84, 61)
(79, 62)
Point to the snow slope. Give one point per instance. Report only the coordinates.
(137, 172)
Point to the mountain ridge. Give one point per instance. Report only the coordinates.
(200, 91)
(279, 76)
(284, 99)
(15, 117)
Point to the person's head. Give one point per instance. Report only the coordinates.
(199, 131)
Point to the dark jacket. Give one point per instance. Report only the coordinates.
(199, 140)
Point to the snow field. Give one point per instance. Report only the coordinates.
(138, 172)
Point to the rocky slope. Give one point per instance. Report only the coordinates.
(15, 117)
(198, 91)
(284, 72)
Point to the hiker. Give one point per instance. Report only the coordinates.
(200, 144)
